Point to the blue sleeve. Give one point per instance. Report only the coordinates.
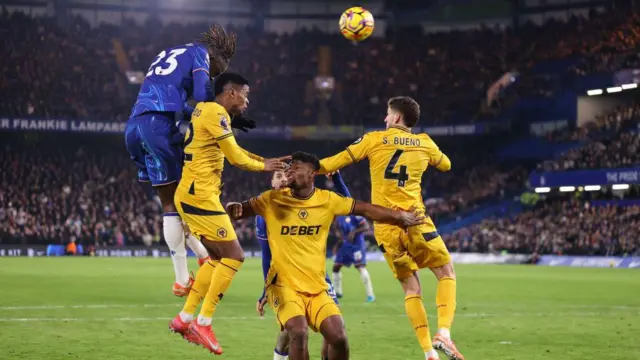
(202, 86)
(266, 262)
(187, 110)
(340, 186)
(202, 90)
(266, 250)
(266, 257)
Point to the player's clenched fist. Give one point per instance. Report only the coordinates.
(234, 209)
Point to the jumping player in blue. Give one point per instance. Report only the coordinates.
(281, 349)
(153, 139)
(351, 248)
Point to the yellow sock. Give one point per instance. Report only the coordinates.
(220, 281)
(418, 317)
(200, 286)
(446, 302)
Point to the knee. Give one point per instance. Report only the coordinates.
(445, 271)
(411, 285)
(339, 340)
(336, 268)
(298, 334)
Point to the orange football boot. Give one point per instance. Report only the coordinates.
(178, 326)
(203, 261)
(203, 335)
(180, 290)
(447, 346)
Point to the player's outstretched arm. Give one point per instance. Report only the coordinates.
(239, 157)
(355, 152)
(386, 215)
(334, 163)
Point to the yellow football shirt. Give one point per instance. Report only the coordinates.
(397, 161)
(297, 230)
(207, 142)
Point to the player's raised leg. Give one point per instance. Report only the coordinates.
(231, 259)
(196, 246)
(180, 324)
(159, 160)
(174, 236)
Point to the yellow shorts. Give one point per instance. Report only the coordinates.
(205, 217)
(288, 303)
(407, 251)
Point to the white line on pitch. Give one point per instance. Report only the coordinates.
(472, 315)
(231, 304)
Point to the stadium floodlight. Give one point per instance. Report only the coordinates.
(620, 186)
(593, 92)
(592, 188)
(542, 190)
(614, 89)
(629, 86)
(567, 188)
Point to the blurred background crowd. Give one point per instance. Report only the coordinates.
(57, 188)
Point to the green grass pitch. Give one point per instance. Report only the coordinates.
(108, 308)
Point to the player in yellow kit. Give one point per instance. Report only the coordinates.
(397, 160)
(207, 143)
(298, 222)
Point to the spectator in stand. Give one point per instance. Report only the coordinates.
(71, 72)
(610, 144)
(564, 227)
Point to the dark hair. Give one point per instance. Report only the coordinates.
(228, 78)
(222, 46)
(406, 106)
(306, 158)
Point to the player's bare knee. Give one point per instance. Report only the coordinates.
(298, 334)
(166, 194)
(336, 268)
(339, 340)
(411, 285)
(297, 327)
(444, 271)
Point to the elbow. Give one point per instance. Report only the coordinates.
(445, 164)
(445, 168)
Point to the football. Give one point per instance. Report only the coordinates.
(356, 23)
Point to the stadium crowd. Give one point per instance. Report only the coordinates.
(611, 141)
(78, 192)
(51, 71)
(559, 227)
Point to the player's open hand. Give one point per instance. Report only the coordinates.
(234, 209)
(276, 164)
(260, 306)
(411, 217)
